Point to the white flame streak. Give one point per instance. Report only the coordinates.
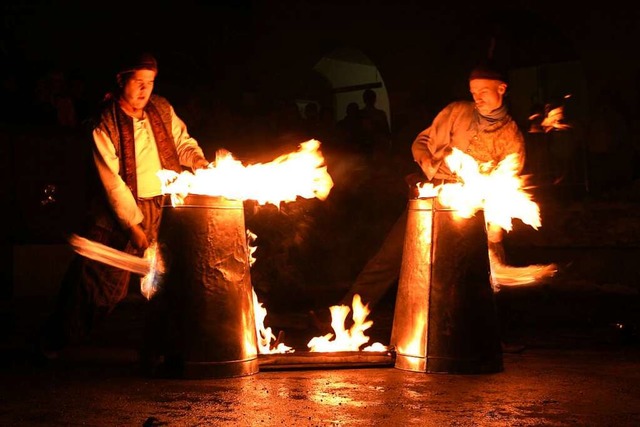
(506, 275)
(150, 266)
(265, 336)
(108, 255)
(346, 340)
(301, 173)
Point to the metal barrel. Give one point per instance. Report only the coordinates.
(445, 318)
(207, 288)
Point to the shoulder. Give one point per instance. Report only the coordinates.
(159, 101)
(457, 109)
(510, 130)
(461, 106)
(510, 123)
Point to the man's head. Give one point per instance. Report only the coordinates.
(369, 97)
(488, 86)
(136, 78)
(352, 109)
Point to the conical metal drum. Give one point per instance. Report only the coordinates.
(207, 288)
(445, 318)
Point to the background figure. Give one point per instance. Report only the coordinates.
(376, 135)
(311, 120)
(135, 135)
(483, 129)
(350, 129)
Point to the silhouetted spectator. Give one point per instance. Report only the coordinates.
(12, 102)
(53, 103)
(375, 126)
(485, 130)
(350, 128)
(312, 120)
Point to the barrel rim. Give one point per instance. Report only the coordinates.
(204, 201)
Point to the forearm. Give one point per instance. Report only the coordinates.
(423, 156)
(432, 145)
(119, 196)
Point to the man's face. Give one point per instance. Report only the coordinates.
(487, 94)
(137, 89)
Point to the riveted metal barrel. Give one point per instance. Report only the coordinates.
(445, 318)
(207, 288)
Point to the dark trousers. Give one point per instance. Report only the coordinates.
(90, 290)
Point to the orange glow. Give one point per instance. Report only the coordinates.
(417, 343)
(346, 340)
(552, 120)
(506, 275)
(149, 283)
(500, 192)
(298, 174)
(251, 238)
(266, 338)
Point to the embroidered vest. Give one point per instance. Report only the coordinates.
(119, 127)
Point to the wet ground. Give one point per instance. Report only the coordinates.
(538, 387)
(572, 372)
(580, 365)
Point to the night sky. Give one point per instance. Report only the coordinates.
(215, 53)
(256, 43)
(223, 50)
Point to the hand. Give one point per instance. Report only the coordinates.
(413, 180)
(201, 164)
(138, 238)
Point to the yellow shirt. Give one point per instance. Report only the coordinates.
(147, 165)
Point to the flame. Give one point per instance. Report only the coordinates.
(302, 173)
(346, 340)
(108, 255)
(506, 275)
(551, 121)
(251, 238)
(266, 339)
(416, 344)
(149, 283)
(499, 191)
(150, 265)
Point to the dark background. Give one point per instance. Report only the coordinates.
(227, 65)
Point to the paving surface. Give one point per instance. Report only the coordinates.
(100, 387)
(566, 376)
(580, 366)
